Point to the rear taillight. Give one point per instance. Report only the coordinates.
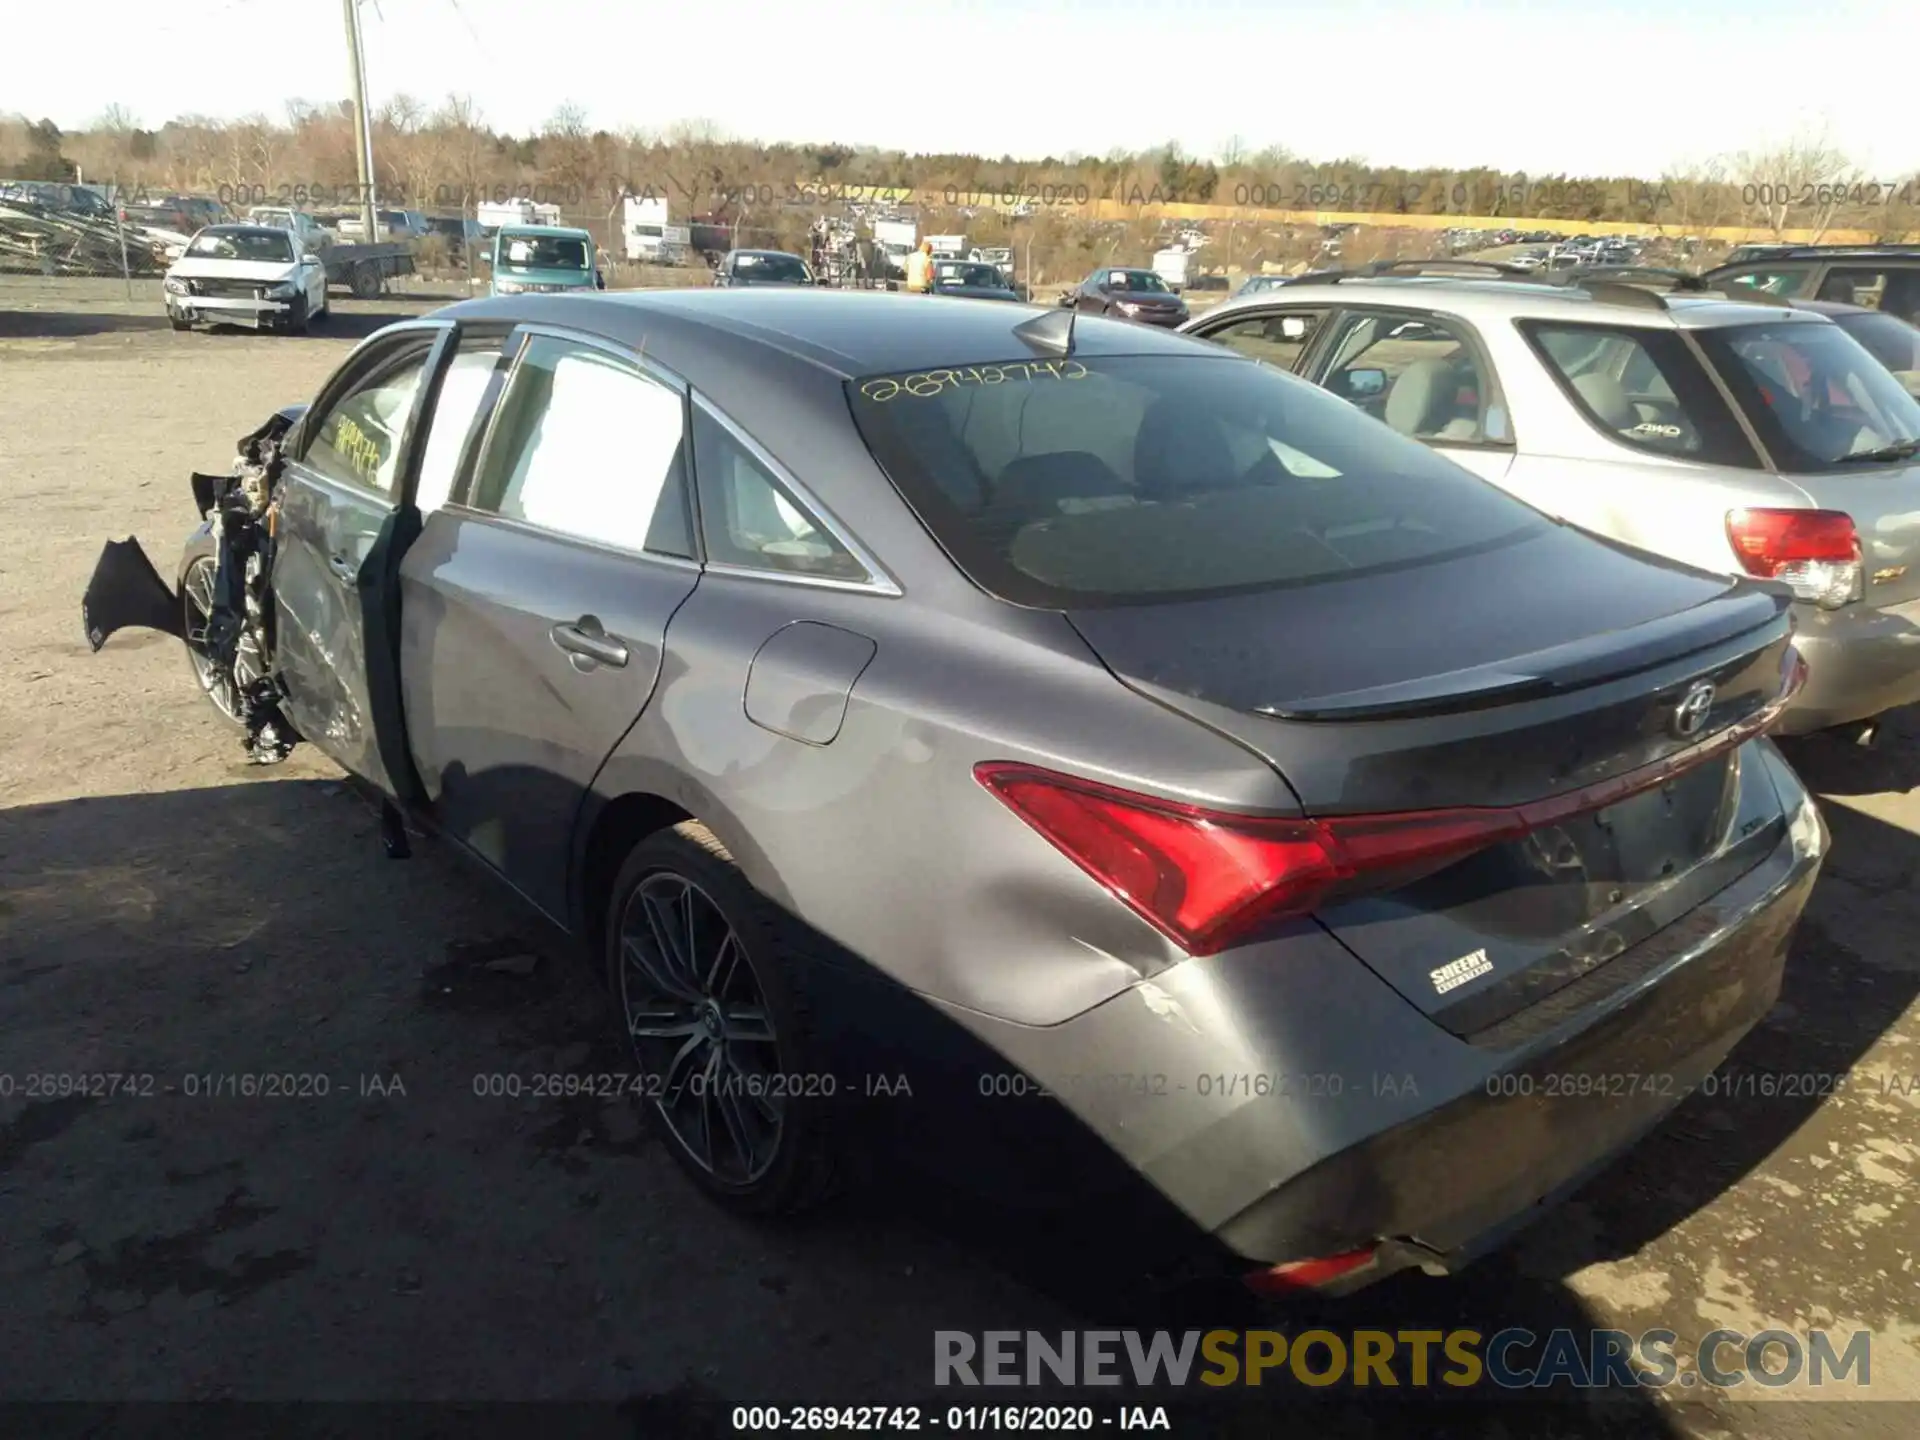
(1208, 879)
(1205, 878)
(1816, 553)
(1297, 1275)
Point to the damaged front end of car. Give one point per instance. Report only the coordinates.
(222, 608)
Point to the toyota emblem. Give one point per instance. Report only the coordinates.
(1692, 711)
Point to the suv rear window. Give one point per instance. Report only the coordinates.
(1644, 388)
(1067, 483)
(1815, 395)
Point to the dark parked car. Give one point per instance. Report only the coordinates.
(761, 267)
(971, 280)
(183, 214)
(1128, 295)
(57, 196)
(1019, 704)
(1894, 342)
(464, 237)
(1886, 277)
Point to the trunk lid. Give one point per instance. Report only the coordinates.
(1485, 681)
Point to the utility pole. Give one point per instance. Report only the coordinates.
(362, 122)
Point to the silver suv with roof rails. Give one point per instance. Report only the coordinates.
(1757, 439)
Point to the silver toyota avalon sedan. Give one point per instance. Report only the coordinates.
(1060, 715)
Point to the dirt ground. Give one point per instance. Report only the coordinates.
(168, 911)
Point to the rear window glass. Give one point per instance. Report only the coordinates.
(1889, 339)
(1644, 388)
(1067, 483)
(1816, 397)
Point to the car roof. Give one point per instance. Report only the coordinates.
(558, 232)
(1499, 299)
(703, 334)
(243, 230)
(783, 254)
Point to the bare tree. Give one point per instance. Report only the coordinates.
(1805, 180)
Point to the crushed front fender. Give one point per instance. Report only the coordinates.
(126, 592)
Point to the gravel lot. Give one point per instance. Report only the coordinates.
(167, 910)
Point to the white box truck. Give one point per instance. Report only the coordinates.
(896, 239)
(492, 214)
(651, 238)
(1172, 266)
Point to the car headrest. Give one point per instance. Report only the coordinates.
(1422, 394)
(1036, 484)
(1606, 397)
(1178, 450)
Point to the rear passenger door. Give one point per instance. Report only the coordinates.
(536, 600)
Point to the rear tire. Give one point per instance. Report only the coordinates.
(733, 1084)
(365, 281)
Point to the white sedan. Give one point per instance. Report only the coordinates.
(246, 274)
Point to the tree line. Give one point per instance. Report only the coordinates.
(444, 157)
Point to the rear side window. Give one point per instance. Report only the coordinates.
(749, 519)
(1279, 338)
(1067, 483)
(1815, 396)
(1419, 375)
(1786, 281)
(586, 445)
(1643, 388)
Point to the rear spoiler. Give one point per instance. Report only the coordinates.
(1759, 616)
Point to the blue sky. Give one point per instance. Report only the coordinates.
(1583, 86)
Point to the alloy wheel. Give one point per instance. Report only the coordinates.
(700, 1029)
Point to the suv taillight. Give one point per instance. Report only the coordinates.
(1816, 553)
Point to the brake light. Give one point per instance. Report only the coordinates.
(1816, 553)
(1207, 879)
(1298, 1275)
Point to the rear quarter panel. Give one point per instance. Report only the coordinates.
(882, 840)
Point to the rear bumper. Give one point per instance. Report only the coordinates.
(1860, 663)
(1293, 1107)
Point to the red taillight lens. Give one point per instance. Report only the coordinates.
(1815, 552)
(1298, 1275)
(1206, 879)
(1768, 540)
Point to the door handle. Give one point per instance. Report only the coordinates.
(585, 638)
(343, 567)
